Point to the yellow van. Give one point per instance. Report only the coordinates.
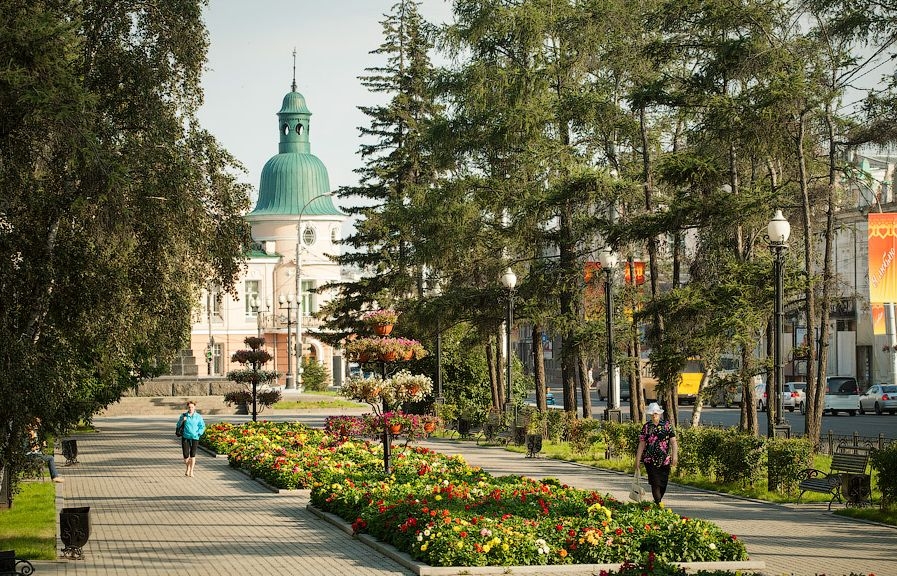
(689, 380)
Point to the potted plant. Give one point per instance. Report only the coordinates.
(429, 422)
(397, 421)
(363, 389)
(381, 321)
(242, 399)
(408, 387)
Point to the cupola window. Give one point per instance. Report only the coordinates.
(285, 129)
(298, 128)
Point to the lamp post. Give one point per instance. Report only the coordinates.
(300, 311)
(254, 304)
(509, 280)
(779, 230)
(608, 260)
(286, 302)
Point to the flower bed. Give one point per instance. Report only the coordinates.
(445, 513)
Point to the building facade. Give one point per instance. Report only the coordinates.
(295, 229)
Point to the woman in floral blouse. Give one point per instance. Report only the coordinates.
(658, 449)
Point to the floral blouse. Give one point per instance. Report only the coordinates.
(657, 442)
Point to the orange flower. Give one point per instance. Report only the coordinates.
(562, 553)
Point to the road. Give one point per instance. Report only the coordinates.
(868, 425)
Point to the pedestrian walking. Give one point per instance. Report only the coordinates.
(35, 450)
(190, 427)
(657, 450)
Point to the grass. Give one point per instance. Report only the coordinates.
(313, 404)
(29, 527)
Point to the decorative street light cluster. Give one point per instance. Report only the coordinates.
(779, 231)
(286, 303)
(254, 304)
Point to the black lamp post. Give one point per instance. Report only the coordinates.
(608, 260)
(778, 230)
(286, 302)
(509, 280)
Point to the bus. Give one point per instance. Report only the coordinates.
(690, 377)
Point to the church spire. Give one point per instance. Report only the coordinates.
(294, 69)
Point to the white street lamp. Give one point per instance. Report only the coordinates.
(779, 230)
(299, 301)
(608, 260)
(509, 280)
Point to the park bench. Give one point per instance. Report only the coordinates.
(12, 566)
(495, 430)
(847, 477)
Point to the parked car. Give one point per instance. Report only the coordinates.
(549, 399)
(760, 393)
(879, 398)
(601, 387)
(789, 396)
(794, 396)
(842, 394)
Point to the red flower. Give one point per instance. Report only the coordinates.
(618, 531)
(463, 534)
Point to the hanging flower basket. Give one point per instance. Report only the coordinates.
(384, 317)
(383, 329)
(384, 349)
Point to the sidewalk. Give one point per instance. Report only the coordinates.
(147, 518)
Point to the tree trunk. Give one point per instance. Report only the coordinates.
(585, 379)
(539, 368)
(494, 385)
(749, 422)
(636, 394)
(815, 400)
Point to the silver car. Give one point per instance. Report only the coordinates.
(879, 398)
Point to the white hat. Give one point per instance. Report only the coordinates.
(654, 408)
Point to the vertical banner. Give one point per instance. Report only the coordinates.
(878, 319)
(882, 254)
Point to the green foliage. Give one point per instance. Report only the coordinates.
(315, 376)
(785, 459)
(555, 424)
(115, 200)
(884, 461)
(582, 434)
(621, 438)
(740, 457)
(263, 398)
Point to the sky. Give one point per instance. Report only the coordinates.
(250, 69)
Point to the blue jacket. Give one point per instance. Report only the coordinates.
(194, 425)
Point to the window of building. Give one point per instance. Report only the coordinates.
(309, 298)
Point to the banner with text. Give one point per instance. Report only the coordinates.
(882, 253)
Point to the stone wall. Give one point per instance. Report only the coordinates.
(184, 386)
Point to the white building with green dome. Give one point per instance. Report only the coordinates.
(295, 228)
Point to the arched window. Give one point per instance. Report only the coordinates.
(299, 128)
(285, 129)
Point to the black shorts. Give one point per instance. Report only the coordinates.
(188, 446)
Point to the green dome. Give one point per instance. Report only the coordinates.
(295, 176)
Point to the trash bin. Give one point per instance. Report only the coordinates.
(7, 561)
(74, 529)
(614, 415)
(856, 489)
(70, 451)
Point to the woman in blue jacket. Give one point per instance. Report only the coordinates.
(191, 426)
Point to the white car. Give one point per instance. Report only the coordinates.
(842, 394)
(879, 398)
(795, 396)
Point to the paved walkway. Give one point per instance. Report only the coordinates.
(147, 518)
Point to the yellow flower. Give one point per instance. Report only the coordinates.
(487, 548)
(423, 547)
(459, 545)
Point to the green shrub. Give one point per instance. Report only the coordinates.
(582, 434)
(315, 375)
(785, 459)
(740, 457)
(884, 461)
(621, 439)
(554, 422)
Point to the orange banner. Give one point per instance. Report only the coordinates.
(882, 253)
(878, 319)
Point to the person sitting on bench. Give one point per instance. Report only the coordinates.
(35, 451)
